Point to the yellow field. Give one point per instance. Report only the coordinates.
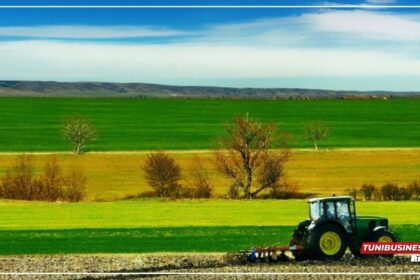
(115, 175)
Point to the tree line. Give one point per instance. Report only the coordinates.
(51, 184)
(252, 155)
(246, 156)
(80, 132)
(388, 191)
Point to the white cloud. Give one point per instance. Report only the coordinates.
(366, 24)
(377, 2)
(86, 32)
(39, 60)
(309, 27)
(327, 43)
(314, 28)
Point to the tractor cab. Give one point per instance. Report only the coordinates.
(338, 208)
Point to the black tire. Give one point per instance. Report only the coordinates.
(377, 235)
(380, 234)
(374, 237)
(334, 240)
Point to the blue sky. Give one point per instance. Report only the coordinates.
(328, 48)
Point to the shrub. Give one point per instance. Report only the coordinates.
(353, 192)
(185, 192)
(377, 195)
(404, 193)
(367, 190)
(202, 186)
(50, 182)
(286, 190)
(162, 174)
(233, 192)
(414, 190)
(18, 183)
(390, 191)
(75, 186)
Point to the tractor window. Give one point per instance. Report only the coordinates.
(315, 210)
(342, 208)
(330, 209)
(343, 215)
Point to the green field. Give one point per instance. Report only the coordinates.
(33, 124)
(166, 226)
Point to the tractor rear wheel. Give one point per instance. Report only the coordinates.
(328, 242)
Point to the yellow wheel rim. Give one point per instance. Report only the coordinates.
(330, 243)
(385, 238)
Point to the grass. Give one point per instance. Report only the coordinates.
(33, 124)
(146, 240)
(140, 226)
(141, 240)
(180, 213)
(113, 176)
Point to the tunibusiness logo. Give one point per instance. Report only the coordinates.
(391, 248)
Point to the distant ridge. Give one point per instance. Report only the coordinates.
(99, 89)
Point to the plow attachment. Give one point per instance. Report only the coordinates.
(262, 254)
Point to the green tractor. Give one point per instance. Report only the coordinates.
(333, 226)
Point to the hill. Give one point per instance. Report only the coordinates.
(99, 89)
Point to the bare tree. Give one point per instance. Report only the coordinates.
(316, 131)
(75, 185)
(162, 174)
(245, 157)
(201, 182)
(414, 189)
(18, 182)
(51, 181)
(79, 132)
(368, 190)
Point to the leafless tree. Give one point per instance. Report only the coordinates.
(390, 191)
(50, 185)
(368, 190)
(245, 156)
(79, 132)
(315, 132)
(18, 182)
(414, 189)
(201, 182)
(162, 174)
(75, 185)
(51, 181)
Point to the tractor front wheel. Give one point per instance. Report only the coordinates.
(377, 236)
(328, 242)
(384, 236)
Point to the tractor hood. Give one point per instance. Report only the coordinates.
(370, 218)
(371, 222)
